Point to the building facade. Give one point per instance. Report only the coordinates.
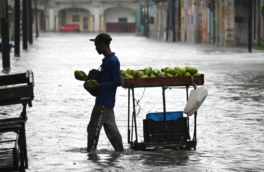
(215, 22)
(91, 15)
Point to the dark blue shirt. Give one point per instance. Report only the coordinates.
(110, 80)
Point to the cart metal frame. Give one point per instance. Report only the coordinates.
(132, 130)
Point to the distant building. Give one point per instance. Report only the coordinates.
(92, 16)
(215, 22)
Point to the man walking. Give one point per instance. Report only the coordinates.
(103, 110)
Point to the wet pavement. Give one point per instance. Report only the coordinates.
(230, 123)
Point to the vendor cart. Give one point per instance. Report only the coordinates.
(166, 133)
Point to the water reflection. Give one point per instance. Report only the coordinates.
(106, 159)
(150, 159)
(167, 157)
(6, 70)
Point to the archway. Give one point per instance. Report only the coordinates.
(74, 15)
(120, 19)
(40, 14)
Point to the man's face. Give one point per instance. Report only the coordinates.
(99, 47)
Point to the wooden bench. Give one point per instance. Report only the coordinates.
(15, 89)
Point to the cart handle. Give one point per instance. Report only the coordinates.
(193, 83)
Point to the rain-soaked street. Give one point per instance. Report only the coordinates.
(230, 123)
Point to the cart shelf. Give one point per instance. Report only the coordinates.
(158, 82)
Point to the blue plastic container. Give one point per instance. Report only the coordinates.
(159, 116)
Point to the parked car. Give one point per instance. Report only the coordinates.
(70, 28)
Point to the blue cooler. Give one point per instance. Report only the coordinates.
(176, 127)
(159, 116)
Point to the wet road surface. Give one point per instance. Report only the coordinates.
(230, 123)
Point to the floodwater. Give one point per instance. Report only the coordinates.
(230, 123)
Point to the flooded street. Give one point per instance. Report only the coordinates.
(230, 123)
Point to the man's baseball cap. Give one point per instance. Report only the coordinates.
(102, 37)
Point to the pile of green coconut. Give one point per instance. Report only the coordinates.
(156, 73)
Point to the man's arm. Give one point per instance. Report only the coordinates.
(115, 74)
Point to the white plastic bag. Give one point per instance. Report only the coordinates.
(195, 100)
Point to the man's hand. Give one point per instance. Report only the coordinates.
(93, 84)
(84, 76)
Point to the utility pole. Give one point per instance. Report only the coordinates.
(5, 34)
(168, 22)
(45, 10)
(250, 26)
(258, 11)
(25, 30)
(173, 20)
(147, 19)
(17, 28)
(30, 33)
(36, 17)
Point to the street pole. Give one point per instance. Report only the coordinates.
(147, 19)
(36, 16)
(25, 30)
(17, 28)
(168, 20)
(5, 34)
(30, 33)
(173, 20)
(258, 23)
(250, 26)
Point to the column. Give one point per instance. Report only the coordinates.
(262, 24)
(230, 24)
(176, 20)
(47, 23)
(46, 20)
(91, 23)
(24, 23)
(103, 28)
(182, 23)
(57, 23)
(17, 28)
(30, 21)
(204, 29)
(138, 22)
(51, 20)
(258, 14)
(222, 23)
(195, 22)
(96, 19)
(5, 34)
(217, 22)
(208, 24)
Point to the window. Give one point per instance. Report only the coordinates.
(122, 20)
(75, 18)
(151, 20)
(239, 19)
